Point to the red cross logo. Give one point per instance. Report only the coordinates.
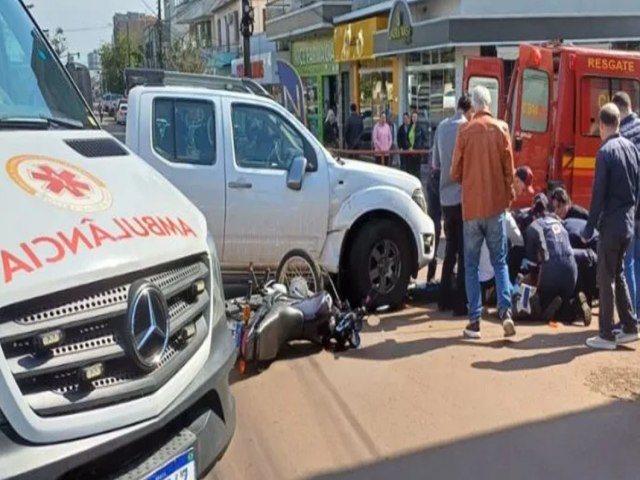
(59, 181)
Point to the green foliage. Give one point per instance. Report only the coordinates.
(186, 56)
(59, 42)
(115, 58)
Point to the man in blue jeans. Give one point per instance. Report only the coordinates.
(483, 164)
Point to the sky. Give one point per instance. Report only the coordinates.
(87, 23)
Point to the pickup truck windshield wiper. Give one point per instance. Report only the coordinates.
(38, 123)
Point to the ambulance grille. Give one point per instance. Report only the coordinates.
(93, 322)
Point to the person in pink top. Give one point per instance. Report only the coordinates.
(382, 139)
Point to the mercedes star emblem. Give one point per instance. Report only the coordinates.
(147, 332)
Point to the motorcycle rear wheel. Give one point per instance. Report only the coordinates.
(297, 265)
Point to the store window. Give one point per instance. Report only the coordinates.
(534, 111)
(432, 94)
(311, 99)
(595, 92)
(376, 96)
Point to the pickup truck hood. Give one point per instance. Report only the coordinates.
(70, 218)
(358, 175)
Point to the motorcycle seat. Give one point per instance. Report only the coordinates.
(315, 306)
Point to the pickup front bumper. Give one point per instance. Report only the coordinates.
(202, 417)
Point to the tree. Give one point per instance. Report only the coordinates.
(186, 56)
(59, 42)
(115, 58)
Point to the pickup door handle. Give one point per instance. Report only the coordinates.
(240, 185)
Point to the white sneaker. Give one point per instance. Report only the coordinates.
(623, 338)
(508, 327)
(600, 343)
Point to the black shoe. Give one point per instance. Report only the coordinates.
(585, 308)
(472, 330)
(551, 309)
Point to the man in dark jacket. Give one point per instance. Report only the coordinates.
(403, 141)
(353, 130)
(630, 129)
(613, 206)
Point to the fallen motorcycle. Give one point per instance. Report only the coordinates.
(263, 322)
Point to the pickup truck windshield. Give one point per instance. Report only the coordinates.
(33, 84)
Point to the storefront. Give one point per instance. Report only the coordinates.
(314, 61)
(427, 78)
(371, 81)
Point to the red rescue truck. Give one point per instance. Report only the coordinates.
(551, 105)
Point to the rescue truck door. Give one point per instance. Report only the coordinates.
(531, 117)
(489, 72)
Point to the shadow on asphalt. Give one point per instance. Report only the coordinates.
(290, 351)
(600, 443)
(570, 343)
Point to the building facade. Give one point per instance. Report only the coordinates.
(132, 26)
(93, 60)
(215, 24)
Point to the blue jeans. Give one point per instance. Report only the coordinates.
(493, 230)
(632, 269)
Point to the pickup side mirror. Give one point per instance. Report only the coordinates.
(296, 173)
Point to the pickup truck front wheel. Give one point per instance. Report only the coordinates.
(380, 264)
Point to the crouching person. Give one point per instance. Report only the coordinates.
(586, 258)
(555, 272)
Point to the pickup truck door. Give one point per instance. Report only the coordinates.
(185, 146)
(532, 114)
(266, 219)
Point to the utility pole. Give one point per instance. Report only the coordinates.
(160, 55)
(246, 28)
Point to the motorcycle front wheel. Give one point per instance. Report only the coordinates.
(300, 273)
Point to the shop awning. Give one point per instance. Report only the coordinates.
(461, 31)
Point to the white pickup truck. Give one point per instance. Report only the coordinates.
(267, 186)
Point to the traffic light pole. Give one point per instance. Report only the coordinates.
(246, 28)
(160, 41)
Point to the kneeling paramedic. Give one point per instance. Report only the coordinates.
(549, 251)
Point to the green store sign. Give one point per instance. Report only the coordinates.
(314, 57)
(400, 27)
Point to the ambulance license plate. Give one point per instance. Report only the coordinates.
(182, 467)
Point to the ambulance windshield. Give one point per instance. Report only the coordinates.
(34, 88)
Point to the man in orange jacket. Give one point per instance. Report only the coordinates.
(483, 164)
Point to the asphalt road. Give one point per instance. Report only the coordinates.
(418, 401)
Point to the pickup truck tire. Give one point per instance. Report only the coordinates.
(380, 255)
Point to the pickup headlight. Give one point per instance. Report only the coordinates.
(418, 197)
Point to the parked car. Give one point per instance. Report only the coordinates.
(114, 351)
(267, 186)
(121, 115)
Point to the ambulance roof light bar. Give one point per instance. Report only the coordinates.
(154, 77)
